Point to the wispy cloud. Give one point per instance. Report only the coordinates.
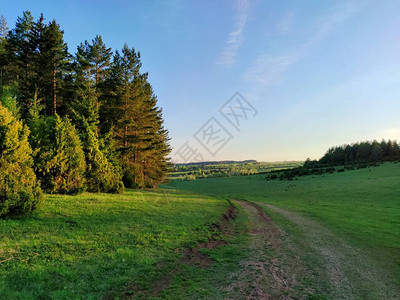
(235, 39)
(327, 23)
(285, 23)
(269, 70)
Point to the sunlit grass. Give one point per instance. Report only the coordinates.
(97, 244)
(362, 206)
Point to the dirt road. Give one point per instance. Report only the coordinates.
(281, 266)
(268, 273)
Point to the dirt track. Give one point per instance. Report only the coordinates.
(263, 275)
(275, 271)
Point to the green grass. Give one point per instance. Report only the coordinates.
(96, 245)
(362, 206)
(193, 282)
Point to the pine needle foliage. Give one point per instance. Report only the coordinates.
(59, 157)
(19, 189)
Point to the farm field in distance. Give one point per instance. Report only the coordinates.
(214, 169)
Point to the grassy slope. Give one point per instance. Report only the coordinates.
(363, 205)
(93, 245)
(96, 245)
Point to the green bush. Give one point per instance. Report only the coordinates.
(101, 175)
(59, 158)
(19, 189)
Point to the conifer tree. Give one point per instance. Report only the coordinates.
(142, 140)
(119, 128)
(8, 99)
(59, 157)
(101, 175)
(3, 28)
(99, 59)
(20, 55)
(92, 63)
(19, 190)
(3, 53)
(54, 60)
(38, 97)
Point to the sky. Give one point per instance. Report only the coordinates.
(252, 79)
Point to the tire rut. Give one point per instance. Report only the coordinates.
(353, 275)
(264, 274)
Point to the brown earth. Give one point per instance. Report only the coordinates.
(276, 267)
(264, 275)
(314, 263)
(191, 256)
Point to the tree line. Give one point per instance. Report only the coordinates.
(348, 157)
(214, 169)
(363, 152)
(71, 122)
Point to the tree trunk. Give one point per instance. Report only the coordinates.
(95, 87)
(125, 135)
(54, 91)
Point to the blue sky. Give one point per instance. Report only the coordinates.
(319, 73)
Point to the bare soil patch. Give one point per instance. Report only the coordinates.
(195, 257)
(268, 273)
(192, 256)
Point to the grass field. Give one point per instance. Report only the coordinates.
(360, 207)
(97, 245)
(322, 237)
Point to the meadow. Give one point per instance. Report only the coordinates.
(360, 208)
(99, 245)
(319, 237)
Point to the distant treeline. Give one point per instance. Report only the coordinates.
(345, 157)
(193, 171)
(364, 152)
(73, 121)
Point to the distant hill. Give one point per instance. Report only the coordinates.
(221, 162)
(226, 168)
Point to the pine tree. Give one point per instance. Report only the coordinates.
(3, 53)
(20, 55)
(59, 157)
(119, 128)
(120, 92)
(92, 63)
(101, 175)
(39, 74)
(54, 59)
(139, 132)
(82, 65)
(19, 190)
(99, 60)
(3, 28)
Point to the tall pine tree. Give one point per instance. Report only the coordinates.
(3, 53)
(109, 99)
(137, 121)
(54, 61)
(101, 175)
(20, 58)
(93, 61)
